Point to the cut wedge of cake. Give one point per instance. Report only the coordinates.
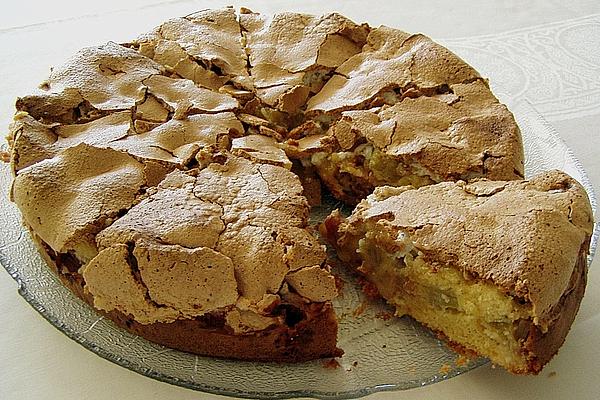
(495, 267)
(217, 262)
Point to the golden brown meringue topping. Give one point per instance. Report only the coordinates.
(67, 198)
(106, 78)
(210, 37)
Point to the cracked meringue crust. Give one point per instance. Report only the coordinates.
(167, 179)
(497, 267)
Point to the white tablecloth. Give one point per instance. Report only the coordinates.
(545, 51)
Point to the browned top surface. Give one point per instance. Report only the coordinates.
(229, 237)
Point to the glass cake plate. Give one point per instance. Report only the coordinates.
(381, 353)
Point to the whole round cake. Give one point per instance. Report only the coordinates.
(168, 182)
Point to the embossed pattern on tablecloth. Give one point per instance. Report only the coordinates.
(554, 66)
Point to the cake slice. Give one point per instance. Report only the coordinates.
(220, 262)
(494, 267)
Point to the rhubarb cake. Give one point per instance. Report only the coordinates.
(495, 267)
(168, 180)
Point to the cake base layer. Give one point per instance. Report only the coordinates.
(465, 311)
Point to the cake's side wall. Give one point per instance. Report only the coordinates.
(541, 347)
(313, 338)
